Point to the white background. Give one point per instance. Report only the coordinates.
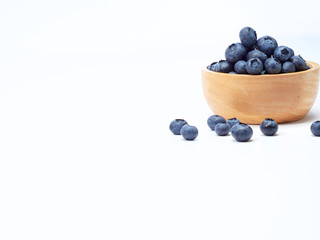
(87, 92)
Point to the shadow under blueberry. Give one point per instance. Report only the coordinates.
(275, 135)
(250, 140)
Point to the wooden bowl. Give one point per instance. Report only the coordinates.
(285, 97)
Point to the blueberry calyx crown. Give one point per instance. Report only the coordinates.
(254, 61)
(285, 51)
(267, 38)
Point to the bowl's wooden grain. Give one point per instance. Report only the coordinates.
(251, 98)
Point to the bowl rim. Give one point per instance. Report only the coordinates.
(313, 67)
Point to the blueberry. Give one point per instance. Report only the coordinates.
(308, 67)
(267, 45)
(211, 66)
(214, 120)
(241, 132)
(250, 49)
(189, 132)
(283, 53)
(240, 67)
(232, 72)
(232, 122)
(176, 125)
(315, 128)
(263, 72)
(288, 67)
(254, 66)
(225, 66)
(269, 127)
(257, 54)
(222, 129)
(272, 65)
(235, 52)
(248, 37)
(216, 67)
(232, 130)
(299, 63)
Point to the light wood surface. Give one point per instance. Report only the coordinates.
(252, 98)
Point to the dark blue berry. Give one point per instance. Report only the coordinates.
(299, 63)
(254, 66)
(240, 67)
(248, 37)
(283, 53)
(222, 129)
(211, 66)
(189, 132)
(235, 52)
(232, 122)
(315, 128)
(176, 125)
(216, 67)
(272, 65)
(257, 54)
(288, 67)
(225, 66)
(214, 120)
(232, 130)
(241, 132)
(269, 127)
(267, 45)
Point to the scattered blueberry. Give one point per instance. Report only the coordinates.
(257, 54)
(176, 125)
(189, 132)
(248, 37)
(299, 63)
(283, 53)
(235, 52)
(267, 45)
(315, 128)
(241, 132)
(222, 129)
(288, 67)
(232, 122)
(272, 65)
(225, 66)
(214, 120)
(269, 127)
(240, 67)
(254, 66)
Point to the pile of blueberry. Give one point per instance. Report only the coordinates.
(241, 132)
(258, 56)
